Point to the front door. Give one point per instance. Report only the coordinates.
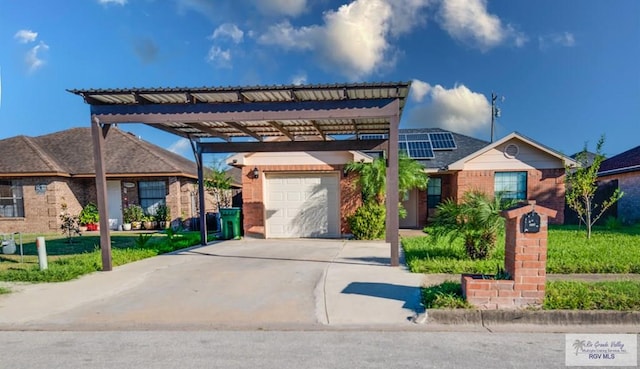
(114, 200)
(410, 204)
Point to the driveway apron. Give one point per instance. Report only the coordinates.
(247, 283)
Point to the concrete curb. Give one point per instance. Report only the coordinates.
(506, 317)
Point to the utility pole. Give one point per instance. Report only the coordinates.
(495, 113)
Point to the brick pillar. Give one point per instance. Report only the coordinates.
(525, 260)
(525, 256)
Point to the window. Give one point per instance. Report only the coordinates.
(434, 192)
(511, 185)
(152, 194)
(11, 201)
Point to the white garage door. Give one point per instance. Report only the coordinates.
(302, 205)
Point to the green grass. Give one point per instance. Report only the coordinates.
(4, 290)
(447, 295)
(560, 295)
(608, 251)
(69, 261)
(618, 295)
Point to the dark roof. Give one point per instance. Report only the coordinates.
(70, 153)
(588, 160)
(628, 161)
(236, 176)
(465, 146)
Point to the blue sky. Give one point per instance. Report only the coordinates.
(569, 70)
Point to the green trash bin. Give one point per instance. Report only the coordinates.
(230, 221)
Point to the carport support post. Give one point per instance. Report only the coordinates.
(203, 214)
(392, 221)
(99, 133)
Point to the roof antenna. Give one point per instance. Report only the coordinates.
(495, 112)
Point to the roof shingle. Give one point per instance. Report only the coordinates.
(70, 152)
(627, 161)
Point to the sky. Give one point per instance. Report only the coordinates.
(565, 71)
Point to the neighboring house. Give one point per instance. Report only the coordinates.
(625, 169)
(38, 175)
(307, 194)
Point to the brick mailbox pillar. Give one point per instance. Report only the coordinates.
(525, 262)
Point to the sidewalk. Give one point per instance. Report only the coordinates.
(360, 288)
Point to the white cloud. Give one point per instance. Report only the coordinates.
(181, 147)
(25, 36)
(229, 30)
(457, 109)
(565, 39)
(299, 79)
(220, 57)
(33, 58)
(203, 7)
(419, 89)
(286, 36)
(117, 2)
(291, 8)
(469, 21)
(355, 38)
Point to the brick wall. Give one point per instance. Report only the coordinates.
(253, 201)
(545, 186)
(42, 210)
(525, 261)
(629, 183)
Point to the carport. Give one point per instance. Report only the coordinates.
(242, 119)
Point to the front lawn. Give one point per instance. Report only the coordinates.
(560, 295)
(608, 251)
(67, 261)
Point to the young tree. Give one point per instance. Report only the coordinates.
(582, 185)
(217, 182)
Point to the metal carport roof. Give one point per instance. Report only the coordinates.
(241, 119)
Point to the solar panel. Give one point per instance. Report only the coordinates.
(373, 137)
(402, 147)
(420, 149)
(442, 141)
(418, 137)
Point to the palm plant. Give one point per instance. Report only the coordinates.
(476, 219)
(373, 181)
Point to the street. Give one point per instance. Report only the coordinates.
(280, 349)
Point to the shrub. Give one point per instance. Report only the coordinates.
(163, 213)
(612, 223)
(476, 219)
(368, 222)
(89, 214)
(133, 213)
(69, 224)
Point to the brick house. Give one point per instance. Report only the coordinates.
(625, 169)
(40, 174)
(307, 194)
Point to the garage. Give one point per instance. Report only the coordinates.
(300, 205)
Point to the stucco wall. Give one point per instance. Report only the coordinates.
(253, 195)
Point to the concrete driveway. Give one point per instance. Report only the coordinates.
(249, 283)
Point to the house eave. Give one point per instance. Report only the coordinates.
(611, 172)
(566, 161)
(34, 174)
